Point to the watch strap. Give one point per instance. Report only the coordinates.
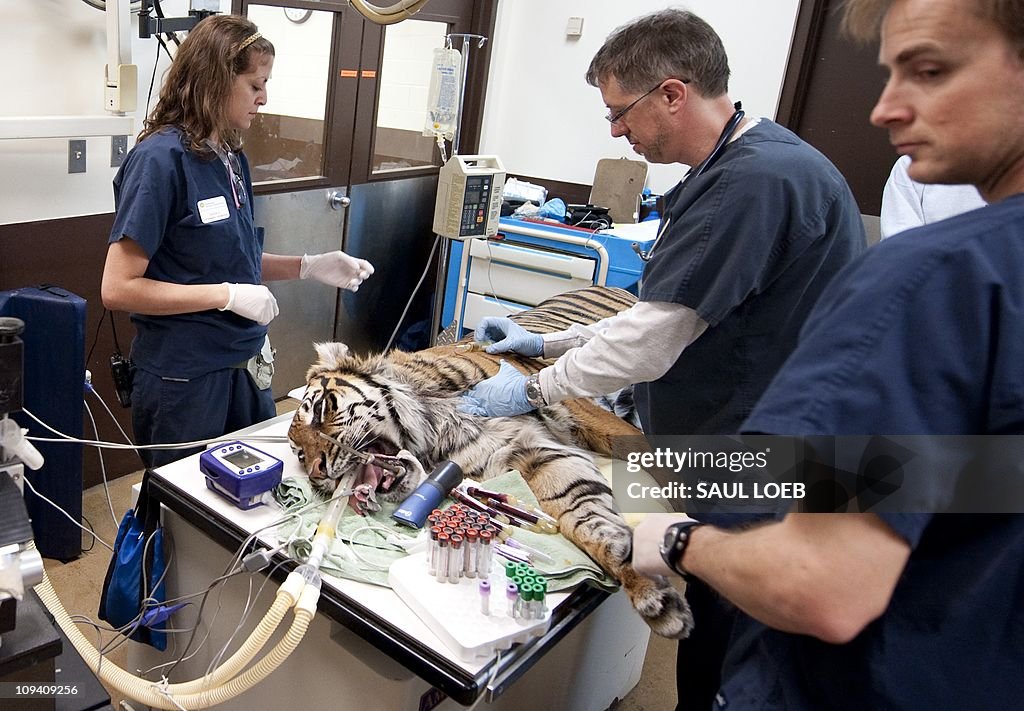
(673, 553)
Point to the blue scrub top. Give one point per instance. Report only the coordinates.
(749, 245)
(181, 209)
(922, 336)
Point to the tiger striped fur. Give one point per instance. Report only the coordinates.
(407, 401)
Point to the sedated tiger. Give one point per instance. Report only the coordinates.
(407, 403)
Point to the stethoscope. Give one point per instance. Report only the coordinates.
(716, 153)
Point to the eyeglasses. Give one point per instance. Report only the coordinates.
(614, 118)
(237, 182)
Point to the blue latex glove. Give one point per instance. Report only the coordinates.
(508, 337)
(501, 395)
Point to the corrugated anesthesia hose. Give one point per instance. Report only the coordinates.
(301, 590)
(286, 597)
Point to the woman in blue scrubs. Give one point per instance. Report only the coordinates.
(185, 256)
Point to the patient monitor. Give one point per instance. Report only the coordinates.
(469, 197)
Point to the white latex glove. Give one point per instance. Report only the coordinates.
(335, 269)
(647, 538)
(253, 301)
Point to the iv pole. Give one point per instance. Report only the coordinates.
(442, 260)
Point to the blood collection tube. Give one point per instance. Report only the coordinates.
(470, 555)
(485, 597)
(432, 549)
(512, 597)
(441, 570)
(483, 559)
(525, 600)
(455, 559)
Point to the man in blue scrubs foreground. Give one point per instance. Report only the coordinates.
(922, 336)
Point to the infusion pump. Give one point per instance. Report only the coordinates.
(469, 197)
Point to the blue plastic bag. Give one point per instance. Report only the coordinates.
(133, 589)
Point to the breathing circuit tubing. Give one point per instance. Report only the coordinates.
(301, 591)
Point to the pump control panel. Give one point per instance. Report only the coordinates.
(240, 473)
(469, 197)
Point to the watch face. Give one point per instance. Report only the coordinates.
(670, 538)
(296, 14)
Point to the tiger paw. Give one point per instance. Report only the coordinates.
(661, 606)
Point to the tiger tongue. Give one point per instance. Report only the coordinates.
(369, 475)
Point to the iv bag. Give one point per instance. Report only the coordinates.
(443, 99)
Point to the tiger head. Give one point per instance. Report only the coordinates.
(354, 401)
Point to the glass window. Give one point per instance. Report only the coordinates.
(399, 143)
(286, 140)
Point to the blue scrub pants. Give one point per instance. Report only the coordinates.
(165, 411)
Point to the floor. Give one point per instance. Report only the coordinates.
(79, 582)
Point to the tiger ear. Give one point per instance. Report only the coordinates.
(331, 355)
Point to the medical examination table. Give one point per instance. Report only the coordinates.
(366, 649)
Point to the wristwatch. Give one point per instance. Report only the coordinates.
(673, 547)
(534, 395)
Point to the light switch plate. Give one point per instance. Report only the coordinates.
(118, 150)
(76, 156)
(574, 28)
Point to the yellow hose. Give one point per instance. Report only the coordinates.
(152, 694)
(304, 611)
(287, 594)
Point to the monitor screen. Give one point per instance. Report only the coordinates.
(242, 458)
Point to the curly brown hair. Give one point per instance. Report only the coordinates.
(199, 81)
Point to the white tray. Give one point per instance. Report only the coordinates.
(452, 611)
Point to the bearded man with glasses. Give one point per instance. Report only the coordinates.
(757, 227)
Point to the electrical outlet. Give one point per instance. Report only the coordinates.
(118, 150)
(76, 156)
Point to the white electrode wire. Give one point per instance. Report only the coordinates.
(186, 654)
(246, 609)
(236, 559)
(426, 270)
(169, 696)
(382, 565)
(116, 423)
(216, 661)
(68, 439)
(490, 283)
(103, 467)
(289, 594)
(92, 533)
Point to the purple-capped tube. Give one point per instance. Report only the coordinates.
(485, 597)
(512, 597)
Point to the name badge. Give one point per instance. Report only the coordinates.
(213, 209)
